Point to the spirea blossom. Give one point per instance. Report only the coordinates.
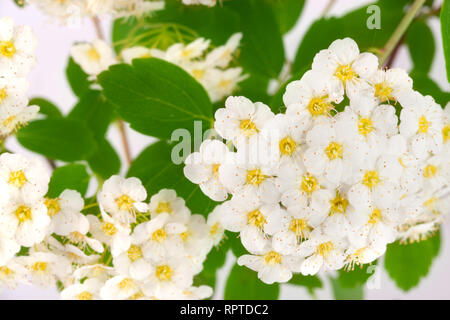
(315, 188)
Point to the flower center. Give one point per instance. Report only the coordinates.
(334, 150)
(325, 248)
(371, 179)
(424, 124)
(7, 48)
(198, 73)
(256, 218)
(125, 202)
(365, 126)
(163, 206)
(255, 177)
(93, 54)
(319, 107)
(215, 170)
(23, 213)
(446, 133)
(430, 203)
(383, 92)
(300, 228)
(5, 272)
(287, 146)
(159, 235)
(39, 267)
(430, 171)
(109, 229)
(3, 95)
(164, 273)
(375, 216)
(248, 127)
(185, 235)
(85, 295)
(338, 205)
(17, 178)
(134, 253)
(214, 229)
(53, 206)
(127, 284)
(309, 183)
(272, 258)
(344, 73)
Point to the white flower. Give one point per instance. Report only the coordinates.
(30, 220)
(220, 83)
(241, 119)
(321, 250)
(122, 197)
(14, 118)
(253, 221)
(421, 123)
(209, 3)
(12, 273)
(110, 232)
(132, 262)
(202, 168)
(390, 84)
(343, 61)
(120, 288)
(197, 293)
(17, 46)
(88, 290)
(93, 57)
(179, 53)
(271, 265)
(216, 228)
(221, 56)
(8, 246)
(45, 268)
(13, 92)
(130, 54)
(168, 277)
(167, 201)
(312, 98)
(160, 237)
(97, 271)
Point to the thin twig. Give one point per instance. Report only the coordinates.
(390, 61)
(120, 124)
(400, 31)
(328, 7)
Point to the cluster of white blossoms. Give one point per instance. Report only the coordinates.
(317, 188)
(17, 47)
(128, 249)
(74, 9)
(209, 67)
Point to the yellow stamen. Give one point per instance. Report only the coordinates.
(300, 228)
(127, 284)
(159, 235)
(256, 218)
(7, 49)
(272, 258)
(255, 177)
(39, 267)
(93, 54)
(371, 179)
(345, 73)
(85, 295)
(134, 253)
(424, 124)
(430, 171)
(375, 216)
(248, 127)
(53, 206)
(319, 107)
(23, 213)
(383, 92)
(125, 202)
(3, 95)
(287, 146)
(17, 178)
(109, 229)
(446, 133)
(164, 206)
(365, 126)
(334, 150)
(309, 183)
(164, 273)
(339, 204)
(325, 248)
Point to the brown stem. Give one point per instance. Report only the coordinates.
(394, 53)
(122, 129)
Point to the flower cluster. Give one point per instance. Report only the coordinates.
(127, 249)
(209, 3)
(211, 69)
(338, 176)
(66, 10)
(17, 47)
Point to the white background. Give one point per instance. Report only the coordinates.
(48, 80)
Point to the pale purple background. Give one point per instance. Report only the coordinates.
(48, 80)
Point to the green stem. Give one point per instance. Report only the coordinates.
(401, 29)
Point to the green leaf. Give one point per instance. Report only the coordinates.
(445, 30)
(46, 107)
(243, 284)
(420, 41)
(310, 282)
(156, 170)
(262, 50)
(356, 277)
(324, 31)
(406, 264)
(71, 176)
(286, 12)
(63, 139)
(77, 78)
(105, 161)
(95, 111)
(235, 244)
(341, 293)
(255, 88)
(426, 86)
(156, 97)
